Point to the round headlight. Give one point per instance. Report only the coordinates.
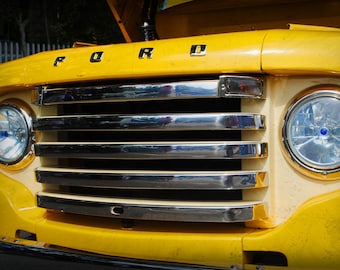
(311, 131)
(15, 134)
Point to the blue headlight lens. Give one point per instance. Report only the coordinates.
(15, 134)
(311, 131)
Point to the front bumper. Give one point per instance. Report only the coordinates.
(310, 239)
(14, 256)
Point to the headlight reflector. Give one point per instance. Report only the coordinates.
(311, 131)
(15, 134)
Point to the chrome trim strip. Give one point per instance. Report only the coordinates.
(185, 121)
(225, 86)
(224, 212)
(125, 92)
(153, 150)
(127, 179)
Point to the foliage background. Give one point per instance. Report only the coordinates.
(58, 21)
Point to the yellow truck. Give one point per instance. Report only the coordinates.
(214, 144)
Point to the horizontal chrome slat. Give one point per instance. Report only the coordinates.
(225, 86)
(206, 121)
(223, 212)
(173, 155)
(153, 150)
(128, 179)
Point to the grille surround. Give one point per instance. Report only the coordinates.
(175, 137)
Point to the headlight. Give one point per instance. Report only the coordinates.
(311, 131)
(15, 134)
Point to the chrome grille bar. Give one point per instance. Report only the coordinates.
(168, 150)
(128, 179)
(147, 150)
(206, 121)
(225, 86)
(153, 210)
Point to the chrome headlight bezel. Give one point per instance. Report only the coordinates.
(309, 153)
(22, 120)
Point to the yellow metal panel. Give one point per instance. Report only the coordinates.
(283, 52)
(18, 209)
(310, 239)
(12, 74)
(289, 52)
(186, 243)
(165, 242)
(230, 53)
(171, 3)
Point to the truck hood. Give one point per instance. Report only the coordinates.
(299, 50)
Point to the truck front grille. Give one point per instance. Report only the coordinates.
(167, 151)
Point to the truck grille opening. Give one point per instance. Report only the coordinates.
(168, 151)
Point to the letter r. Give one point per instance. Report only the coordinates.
(145, 52)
